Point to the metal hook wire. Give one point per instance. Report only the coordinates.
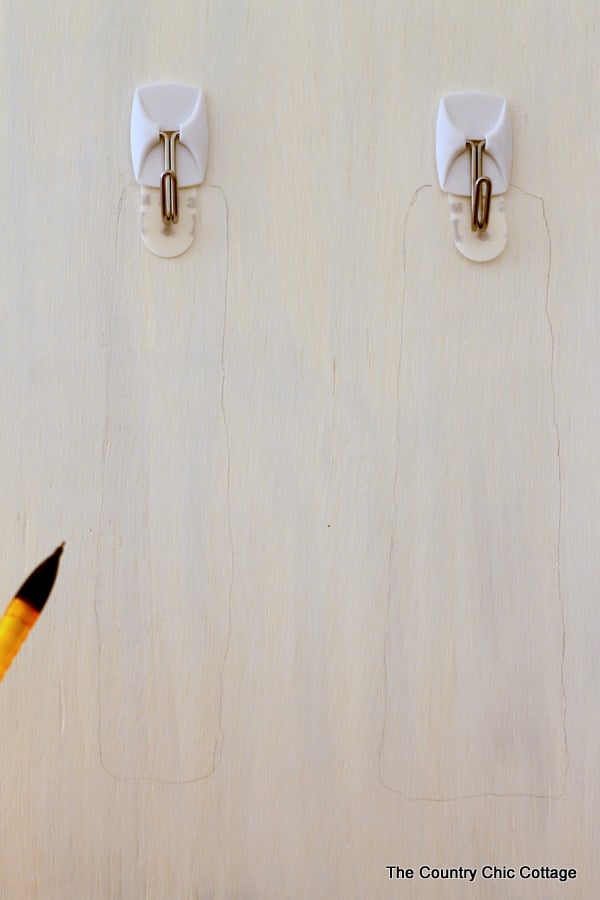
(481, 188)
(168, 179)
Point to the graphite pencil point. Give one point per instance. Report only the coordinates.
(36, 589)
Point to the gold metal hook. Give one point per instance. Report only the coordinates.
(168, 179)
(481, 188)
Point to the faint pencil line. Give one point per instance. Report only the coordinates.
(409, 209)
(110, 304)
(219, 743)
(474, 796)
(559, 462)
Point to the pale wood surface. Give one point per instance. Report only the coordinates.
(329, 600)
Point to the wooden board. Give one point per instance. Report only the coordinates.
(329, 491)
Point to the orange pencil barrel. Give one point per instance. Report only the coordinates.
(15, 625)
(24, 609)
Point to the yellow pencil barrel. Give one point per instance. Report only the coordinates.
(15, 625)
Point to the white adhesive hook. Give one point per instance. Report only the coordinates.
(474, 156)
(169, 150)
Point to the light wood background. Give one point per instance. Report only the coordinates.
(329, 600)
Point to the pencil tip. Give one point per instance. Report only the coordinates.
(36, 589)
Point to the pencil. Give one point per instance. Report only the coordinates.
(24, 609)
